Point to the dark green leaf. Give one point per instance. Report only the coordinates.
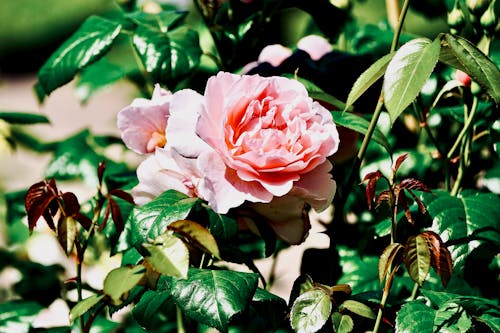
(90, 42)
(23, 118)
(368, 78)
(83, 306)
(360, 125)
(272, 307)
(407, 73)
(460, 220)
(213, 297)
(165, 20)
(151, 220)
(491, 321)
(152, 310)
(168, 56)
(458, 52)
(415, 316)
(310, 311)
(221, 226)
(17, 316)
(342, 323)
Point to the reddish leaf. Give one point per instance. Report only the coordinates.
(39, 202)
(420, 204)
(116, 214)
(413, 184)
(122, 195)
(100, 171)
(372, 175)
(440, 256)
(372, 179)
(401, 200)
(84, 221)
(71, 205)
(445, 265)
(398, 162)
(385, 195)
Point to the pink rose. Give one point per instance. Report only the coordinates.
(274, 54)
(266, 137)
(142, 123)
(316, 46)
(165, 170)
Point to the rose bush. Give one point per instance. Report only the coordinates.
(249, 138)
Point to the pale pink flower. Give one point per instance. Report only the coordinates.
(266, 135)
(166, 170)
(142, 123)
(316, 46)
(274, 54)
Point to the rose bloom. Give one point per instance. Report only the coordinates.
(267, 136)
(316, 46)
(142, 123)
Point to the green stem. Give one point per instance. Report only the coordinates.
(465, 129)
(380, 311)
(414, 292)
(180, 322)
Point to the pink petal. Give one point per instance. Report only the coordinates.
(274, 54)
(316, 187)
(315, 46)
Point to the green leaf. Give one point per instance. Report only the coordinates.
(17, 316)
(169, 255)
(213, 297)
(164, 20)
(121, 280)
(417, 258)
(415, 316)
(360, 125)
(151, 220)
(23, 118)
(452, 317)
(271, 307)
(310, 311)
(196, 235)
(90, 42)
(491, 321)
(387, 259)
(358, 308)
(152, 309)
(342, 323)
(221, 226)
(458, 52)
(464, 221)
(83, 306)
(168, 56)
(407, 73)
(368, 78)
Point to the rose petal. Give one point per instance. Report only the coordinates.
(316, 46)
(316, 187)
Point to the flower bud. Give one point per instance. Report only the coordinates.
(477, 7)
(456, 19)
(489, 20)
(463, 78)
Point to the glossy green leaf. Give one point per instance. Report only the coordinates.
(23, 118)
(221, 226)
(121, 280)
(464, 221)
(213, 297)
(415, 316)
(164, 20)
(407, 73)
(196, 235)
(89, 43)
(360, 125)
(168, 56)
(452, 317)
(358, 308)
(417, 258)
(270, 306)
(17, 316)
(83, 306)
(310, 311)
(342, 323)
(368, 78)
(151, 220)
(169, 255)
(152, 310)
(458, 52)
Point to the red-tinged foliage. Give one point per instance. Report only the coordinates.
(71, 204)
(122, 195)
(100, 171)
(441, 259)
(398, 162)
(117, 216)
(413, 184)
(41, 200)
(372, 179)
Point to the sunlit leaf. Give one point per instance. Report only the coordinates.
(358, 308)
(66, 233)
(440, 256)
(390, 253)
(342, 323)
(83, 306)
(360, 125)
(121, 280)
(417, 258)
(368, 78)
(196, 235)
(168, 256)
(90, 42)
(415, 316)
(310, 311)
(213, 297)
(452, 317)
(458, 52)
(407, 73)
